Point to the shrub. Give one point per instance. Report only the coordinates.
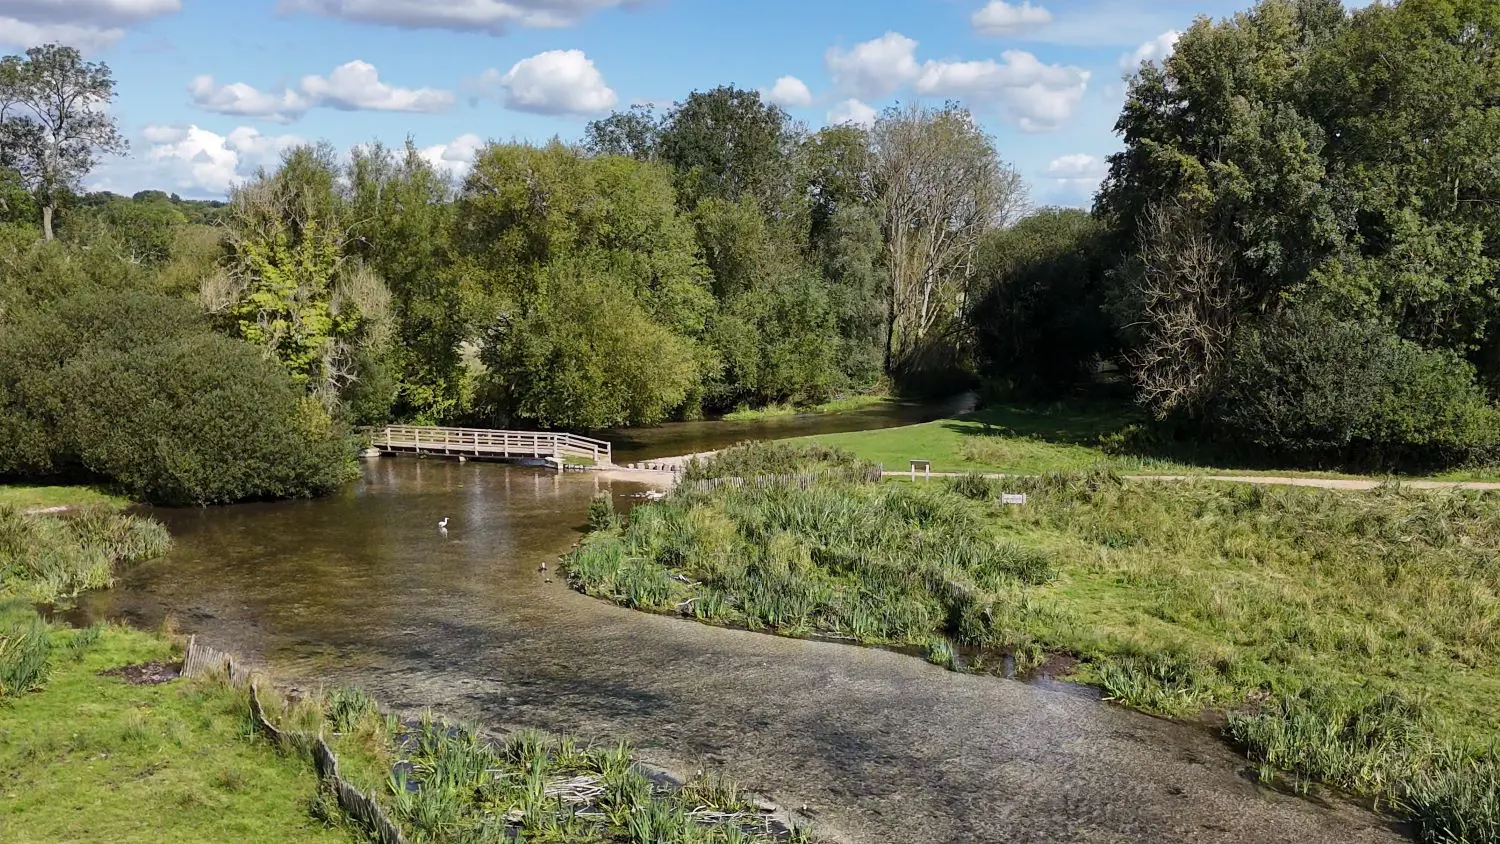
(1310, 385)
(134, 388)
(602, 511)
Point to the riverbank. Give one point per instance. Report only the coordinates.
(1036, 439)
(58, 498)
(842, 405)
(1339, 637)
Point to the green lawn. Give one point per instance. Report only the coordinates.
(29, 497)
(93, 758)
(1035, 439)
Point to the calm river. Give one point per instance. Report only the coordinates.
(363, 588)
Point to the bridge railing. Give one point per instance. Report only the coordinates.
(480, 441)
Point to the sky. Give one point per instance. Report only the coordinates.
(209, 90)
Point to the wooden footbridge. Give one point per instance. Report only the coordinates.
(479, 442)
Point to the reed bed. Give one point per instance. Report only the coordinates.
(46, 558)
(1350, 638)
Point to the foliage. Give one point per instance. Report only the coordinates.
(583, 353)
(25, 648)
(1307, 383)
(289, 284)
(131, 386)
(1038, 317)
(54, 121)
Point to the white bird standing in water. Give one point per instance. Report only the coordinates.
(443, 525)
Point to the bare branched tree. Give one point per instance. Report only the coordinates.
(941, 186)
(1188, 292)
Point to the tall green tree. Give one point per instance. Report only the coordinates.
(54, 126)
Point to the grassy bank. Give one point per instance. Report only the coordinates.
(93, 754)
(1035, 439)
(1350, 638)
(40, 497)
(92, 757)
(47, 558)
(843, 405)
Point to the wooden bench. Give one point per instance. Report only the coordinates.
(924, 465)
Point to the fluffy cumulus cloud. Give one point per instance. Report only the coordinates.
(1156, 50)
(1000, 18)
(852, 111)
(191, 160)
(1075, 166)
(86, 24)
(495, 17)
(1073, 178)
(1036, 96)
(456, 156)
(790, 92)
(354, 86)
(554, 82)
(875, 68)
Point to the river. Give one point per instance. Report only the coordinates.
(363, 588)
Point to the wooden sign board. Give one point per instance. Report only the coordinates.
(1013, 498)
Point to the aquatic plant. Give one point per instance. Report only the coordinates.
(45, 558)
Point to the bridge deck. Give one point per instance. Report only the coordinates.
(479, 442)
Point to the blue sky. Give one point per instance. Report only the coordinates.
(210, 89)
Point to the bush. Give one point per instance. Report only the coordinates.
(134, 388)
(1309, 385)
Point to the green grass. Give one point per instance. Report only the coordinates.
(92, 758)
(1353, 638)
(843, 405)
(52, 557)
(37, 497)
(1063, 437)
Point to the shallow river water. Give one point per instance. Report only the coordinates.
(363, 588)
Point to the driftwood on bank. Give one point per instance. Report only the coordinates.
(357, 805)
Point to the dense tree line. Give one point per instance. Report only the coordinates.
(1296, 251)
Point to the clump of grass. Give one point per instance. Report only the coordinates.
(535, 788)
(25, 647)
(602, 511)
(752, 460)
(46, 558)
(347, 707)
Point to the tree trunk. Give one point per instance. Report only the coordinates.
(47, 221)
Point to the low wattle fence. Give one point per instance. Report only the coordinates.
(200, 660)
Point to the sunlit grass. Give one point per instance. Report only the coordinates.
(842, 405)
(1353, 637)
(43, 497)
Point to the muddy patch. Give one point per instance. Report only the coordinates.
(146, 673)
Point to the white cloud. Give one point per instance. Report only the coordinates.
(1000, 18)
(1156, 50)
(554, 82)
(85, 24)
(495, 17)
(456, 156)
(852, 111)
(875, 68)
(191, 160)
(243, 100)
(356, 86)
(1075, 166)
(1037, 96)
(790, 92)
(353, 86)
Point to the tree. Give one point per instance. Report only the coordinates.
(52, 128)
(1039, 319)
(288, 284)
(631, 134)
(941, 186)
(729, 143)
